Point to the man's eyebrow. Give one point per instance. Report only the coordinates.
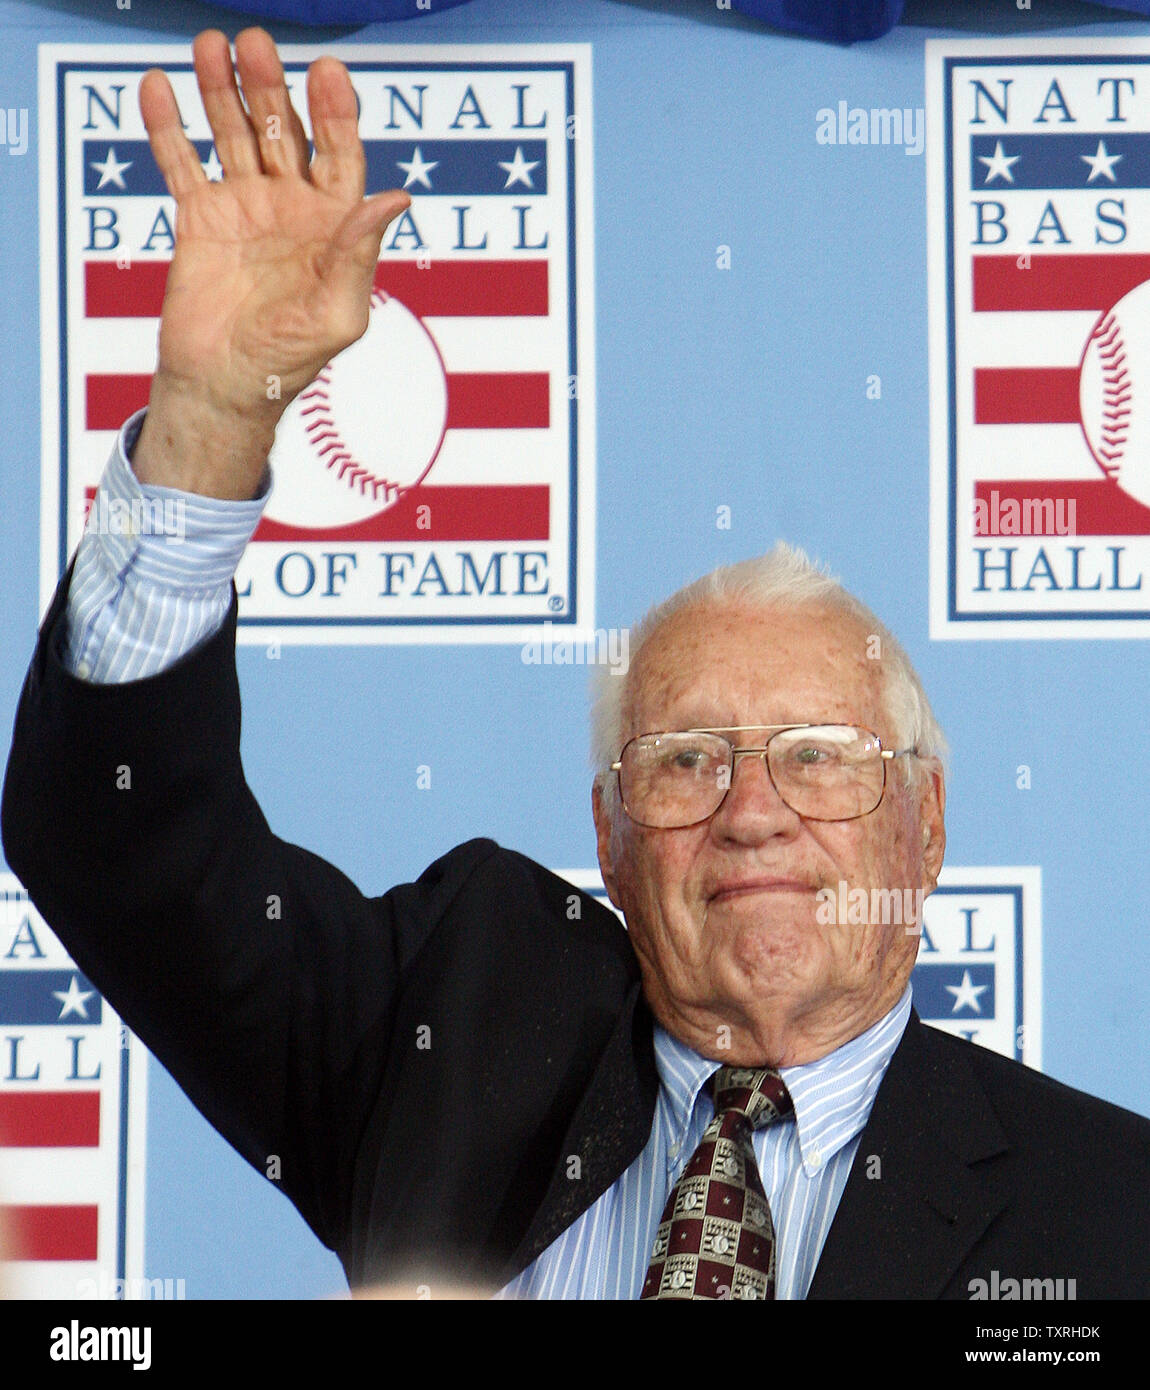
(703, 722)
(692, 718)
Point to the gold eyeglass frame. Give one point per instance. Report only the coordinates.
(886, 754)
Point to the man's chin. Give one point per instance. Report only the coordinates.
(765, 938)
(770, 968)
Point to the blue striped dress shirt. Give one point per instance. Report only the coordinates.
(141, 599)
(804, 1166)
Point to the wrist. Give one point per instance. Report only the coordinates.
(196, 444)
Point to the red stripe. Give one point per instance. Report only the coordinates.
(1026, 396)
(49, 1119)
(476, 400)
(109, 400)
(498, 400)
(135, 291)
(53, 1233)
(1100, 508)
(456, 289)
(459, 289)
(498, 512)
(1056, 282)
(495, 513)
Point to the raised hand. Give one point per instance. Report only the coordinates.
(273, 265)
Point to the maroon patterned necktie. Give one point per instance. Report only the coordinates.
(716, 1238)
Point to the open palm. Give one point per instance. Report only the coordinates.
(252, 292)
(273, 266)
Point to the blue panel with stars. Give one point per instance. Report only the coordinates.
(954, 991)
(474, 168)
(1079, 160)
(126, 169)
(455, 168)
(29, 998)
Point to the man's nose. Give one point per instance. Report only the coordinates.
(752, 802)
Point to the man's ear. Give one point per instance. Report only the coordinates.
(933, 808)
(603, 840)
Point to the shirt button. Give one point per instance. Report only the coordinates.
(675, 1147)
(816, 1158)
(83, 670)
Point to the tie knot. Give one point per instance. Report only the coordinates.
(760, 1096)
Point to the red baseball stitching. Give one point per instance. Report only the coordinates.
(1107, 337)
(328, 442)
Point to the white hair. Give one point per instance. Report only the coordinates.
(783, 578)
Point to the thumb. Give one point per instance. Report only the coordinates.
(354, 248)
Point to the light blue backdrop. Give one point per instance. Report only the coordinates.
(743, 387)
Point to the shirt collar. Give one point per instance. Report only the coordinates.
(832, 1096)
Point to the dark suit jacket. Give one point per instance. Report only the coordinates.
(424, 1065)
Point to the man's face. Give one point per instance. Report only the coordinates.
(724, 915)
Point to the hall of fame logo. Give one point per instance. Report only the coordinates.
(1039, 218)
(436, 480)
(72, 1114)
(979, 967)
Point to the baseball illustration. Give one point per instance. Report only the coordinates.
(366, 429)
(1115, 367)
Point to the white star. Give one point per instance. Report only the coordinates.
(72, 999)
(1101, 163)
(966, 994)
(112, 169)
(998, 164)
(212, 166)
(417, 168)
(519, 169)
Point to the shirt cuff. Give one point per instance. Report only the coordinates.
(153, 571)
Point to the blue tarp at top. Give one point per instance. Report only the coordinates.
(841, 21)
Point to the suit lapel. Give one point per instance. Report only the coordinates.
(608, 1132)
(921, 1191)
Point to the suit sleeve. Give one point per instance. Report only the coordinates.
(256, 972)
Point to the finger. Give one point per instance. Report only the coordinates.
(338, 166)
(173, 152)
(231, 129)
(282, 141)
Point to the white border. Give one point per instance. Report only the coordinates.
(999, 628)
(57, 1279)
(511, 634)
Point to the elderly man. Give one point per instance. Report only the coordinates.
(464, 1079)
